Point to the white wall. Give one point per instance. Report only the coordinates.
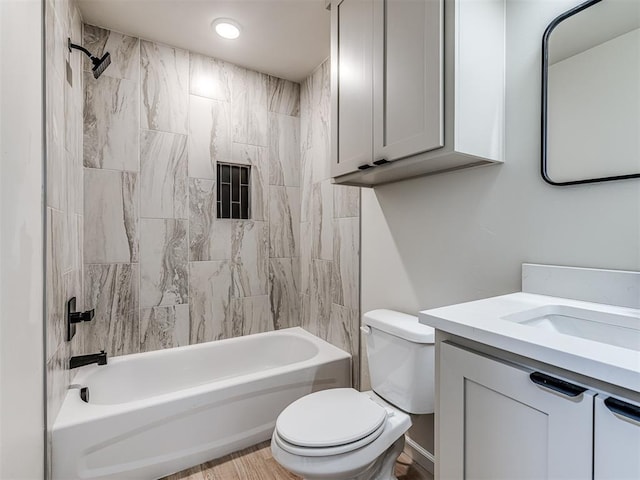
(21, 244)
(461, 236)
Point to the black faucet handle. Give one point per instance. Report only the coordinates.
(74, 317)
(77, 317)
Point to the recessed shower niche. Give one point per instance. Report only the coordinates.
(234, 191)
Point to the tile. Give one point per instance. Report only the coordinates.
(257, 157)
(305, 315)
(284, 96)
(320, 296)
(55, 37)
(346, 262)
(163, 174)
(73, 155)
(346, 201)
(209, 301)
(73, 126)
(110, 216)
(317, 132)
(305, 257)
(251, 315)
(324, 132)
(112, 290)
(320, 150)
(76, 60)
(163, 262)
(57, 164)
(249, 93)
(284, 274)
(209, 136)
(210, 77)
(306, 105)
(344, 333)
(284, 150)
(322, 220)
(62, 239)
(111, 123)
(164, 76)
(63, 278)
(250, 258)
(123, 49)
(164, 327)
(55, 286)
(306, 185)
(209, 238)
(70, 250)
(74, 131)
(284, 221)
(58, 379)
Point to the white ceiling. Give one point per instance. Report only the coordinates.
(284, 38)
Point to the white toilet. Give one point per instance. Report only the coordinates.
(345, 434)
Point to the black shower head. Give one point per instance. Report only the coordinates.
(99, 64)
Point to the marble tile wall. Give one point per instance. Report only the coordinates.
(131, 196)
(64, 187)
(329, 238)
(160, 269)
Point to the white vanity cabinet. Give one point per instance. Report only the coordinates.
(616, 439)
(493, 422)
(417, 87)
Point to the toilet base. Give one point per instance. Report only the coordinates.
(382, 469)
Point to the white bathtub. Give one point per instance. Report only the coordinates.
(152, 414)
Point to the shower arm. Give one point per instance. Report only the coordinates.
(78, 47)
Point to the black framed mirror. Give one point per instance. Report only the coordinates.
(591, 94)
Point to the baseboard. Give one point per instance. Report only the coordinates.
(419, 455)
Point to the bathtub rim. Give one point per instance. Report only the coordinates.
(74, 411)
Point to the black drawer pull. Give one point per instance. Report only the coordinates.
(557, 385)
(382, 161)
(365, 166)
(623, 408)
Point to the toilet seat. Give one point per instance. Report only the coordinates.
(327, 451)
(330, 422)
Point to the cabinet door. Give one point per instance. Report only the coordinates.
(494, 423)
(351, 84)
(408, 75)
(617, 439)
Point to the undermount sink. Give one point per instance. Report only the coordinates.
(613, 329)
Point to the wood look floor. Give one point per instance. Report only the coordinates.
(256, 463)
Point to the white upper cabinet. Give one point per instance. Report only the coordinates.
(417, 87)
(407, 80)
(351, 84)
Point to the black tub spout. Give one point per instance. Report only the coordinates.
(82, 360)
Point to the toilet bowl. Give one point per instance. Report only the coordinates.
(345, 434)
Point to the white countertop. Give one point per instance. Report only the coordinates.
(482, 321)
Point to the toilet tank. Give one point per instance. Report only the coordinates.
(401, 356)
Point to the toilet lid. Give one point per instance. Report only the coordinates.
(327, 451)
(330, 418)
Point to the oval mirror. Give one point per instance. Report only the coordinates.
(591, 94)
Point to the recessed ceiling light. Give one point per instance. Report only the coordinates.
(226, 28)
